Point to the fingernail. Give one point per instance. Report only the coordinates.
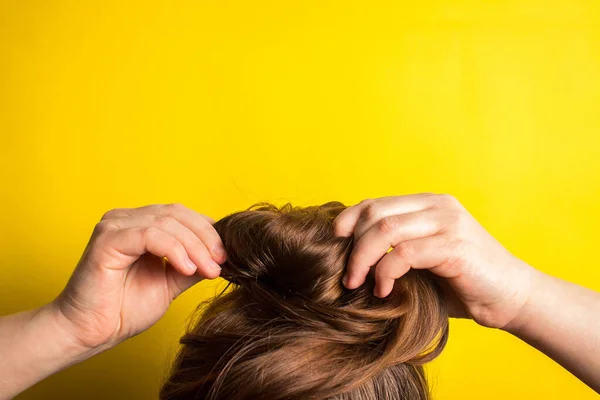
(219, 251)
(190, 265)
(214, 265)
(345, 280)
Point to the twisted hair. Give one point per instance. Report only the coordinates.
(289, 330)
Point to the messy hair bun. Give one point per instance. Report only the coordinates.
(289, 330)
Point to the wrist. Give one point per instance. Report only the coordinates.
(71, 333)
(527, 310)
(62, 332)
(35, 344)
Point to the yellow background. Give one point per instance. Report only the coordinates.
(219, 104)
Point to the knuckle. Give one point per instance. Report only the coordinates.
(174, 207)
(205, 225)
(152, 233)
(116, 212)
(371, 211)
(211, 221)
(366, 201)
(404, 250)
(387, 224)
(383, 273)
(206, 233)
(104, 227)
(175, 245)
(455, 221)
(107, 215)
(149, 231)
(447, 200)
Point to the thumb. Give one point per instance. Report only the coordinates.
(179, 283)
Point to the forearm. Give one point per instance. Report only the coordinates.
(35, 344)
(562, 320)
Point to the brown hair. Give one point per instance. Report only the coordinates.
(289, 329)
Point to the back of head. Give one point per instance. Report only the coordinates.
(289, 330)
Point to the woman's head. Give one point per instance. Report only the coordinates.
(288, 329)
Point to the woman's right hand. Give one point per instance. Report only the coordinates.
(426, 231)
(121, 285)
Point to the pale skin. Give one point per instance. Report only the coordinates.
(121, 285)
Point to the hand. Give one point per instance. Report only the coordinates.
(122, 285)
(482, 280)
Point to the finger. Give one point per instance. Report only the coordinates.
(194, 247)
(200, 224)
(370, 211)
(389, 206)
(136, 241)
(432, 252)
(388, 232)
